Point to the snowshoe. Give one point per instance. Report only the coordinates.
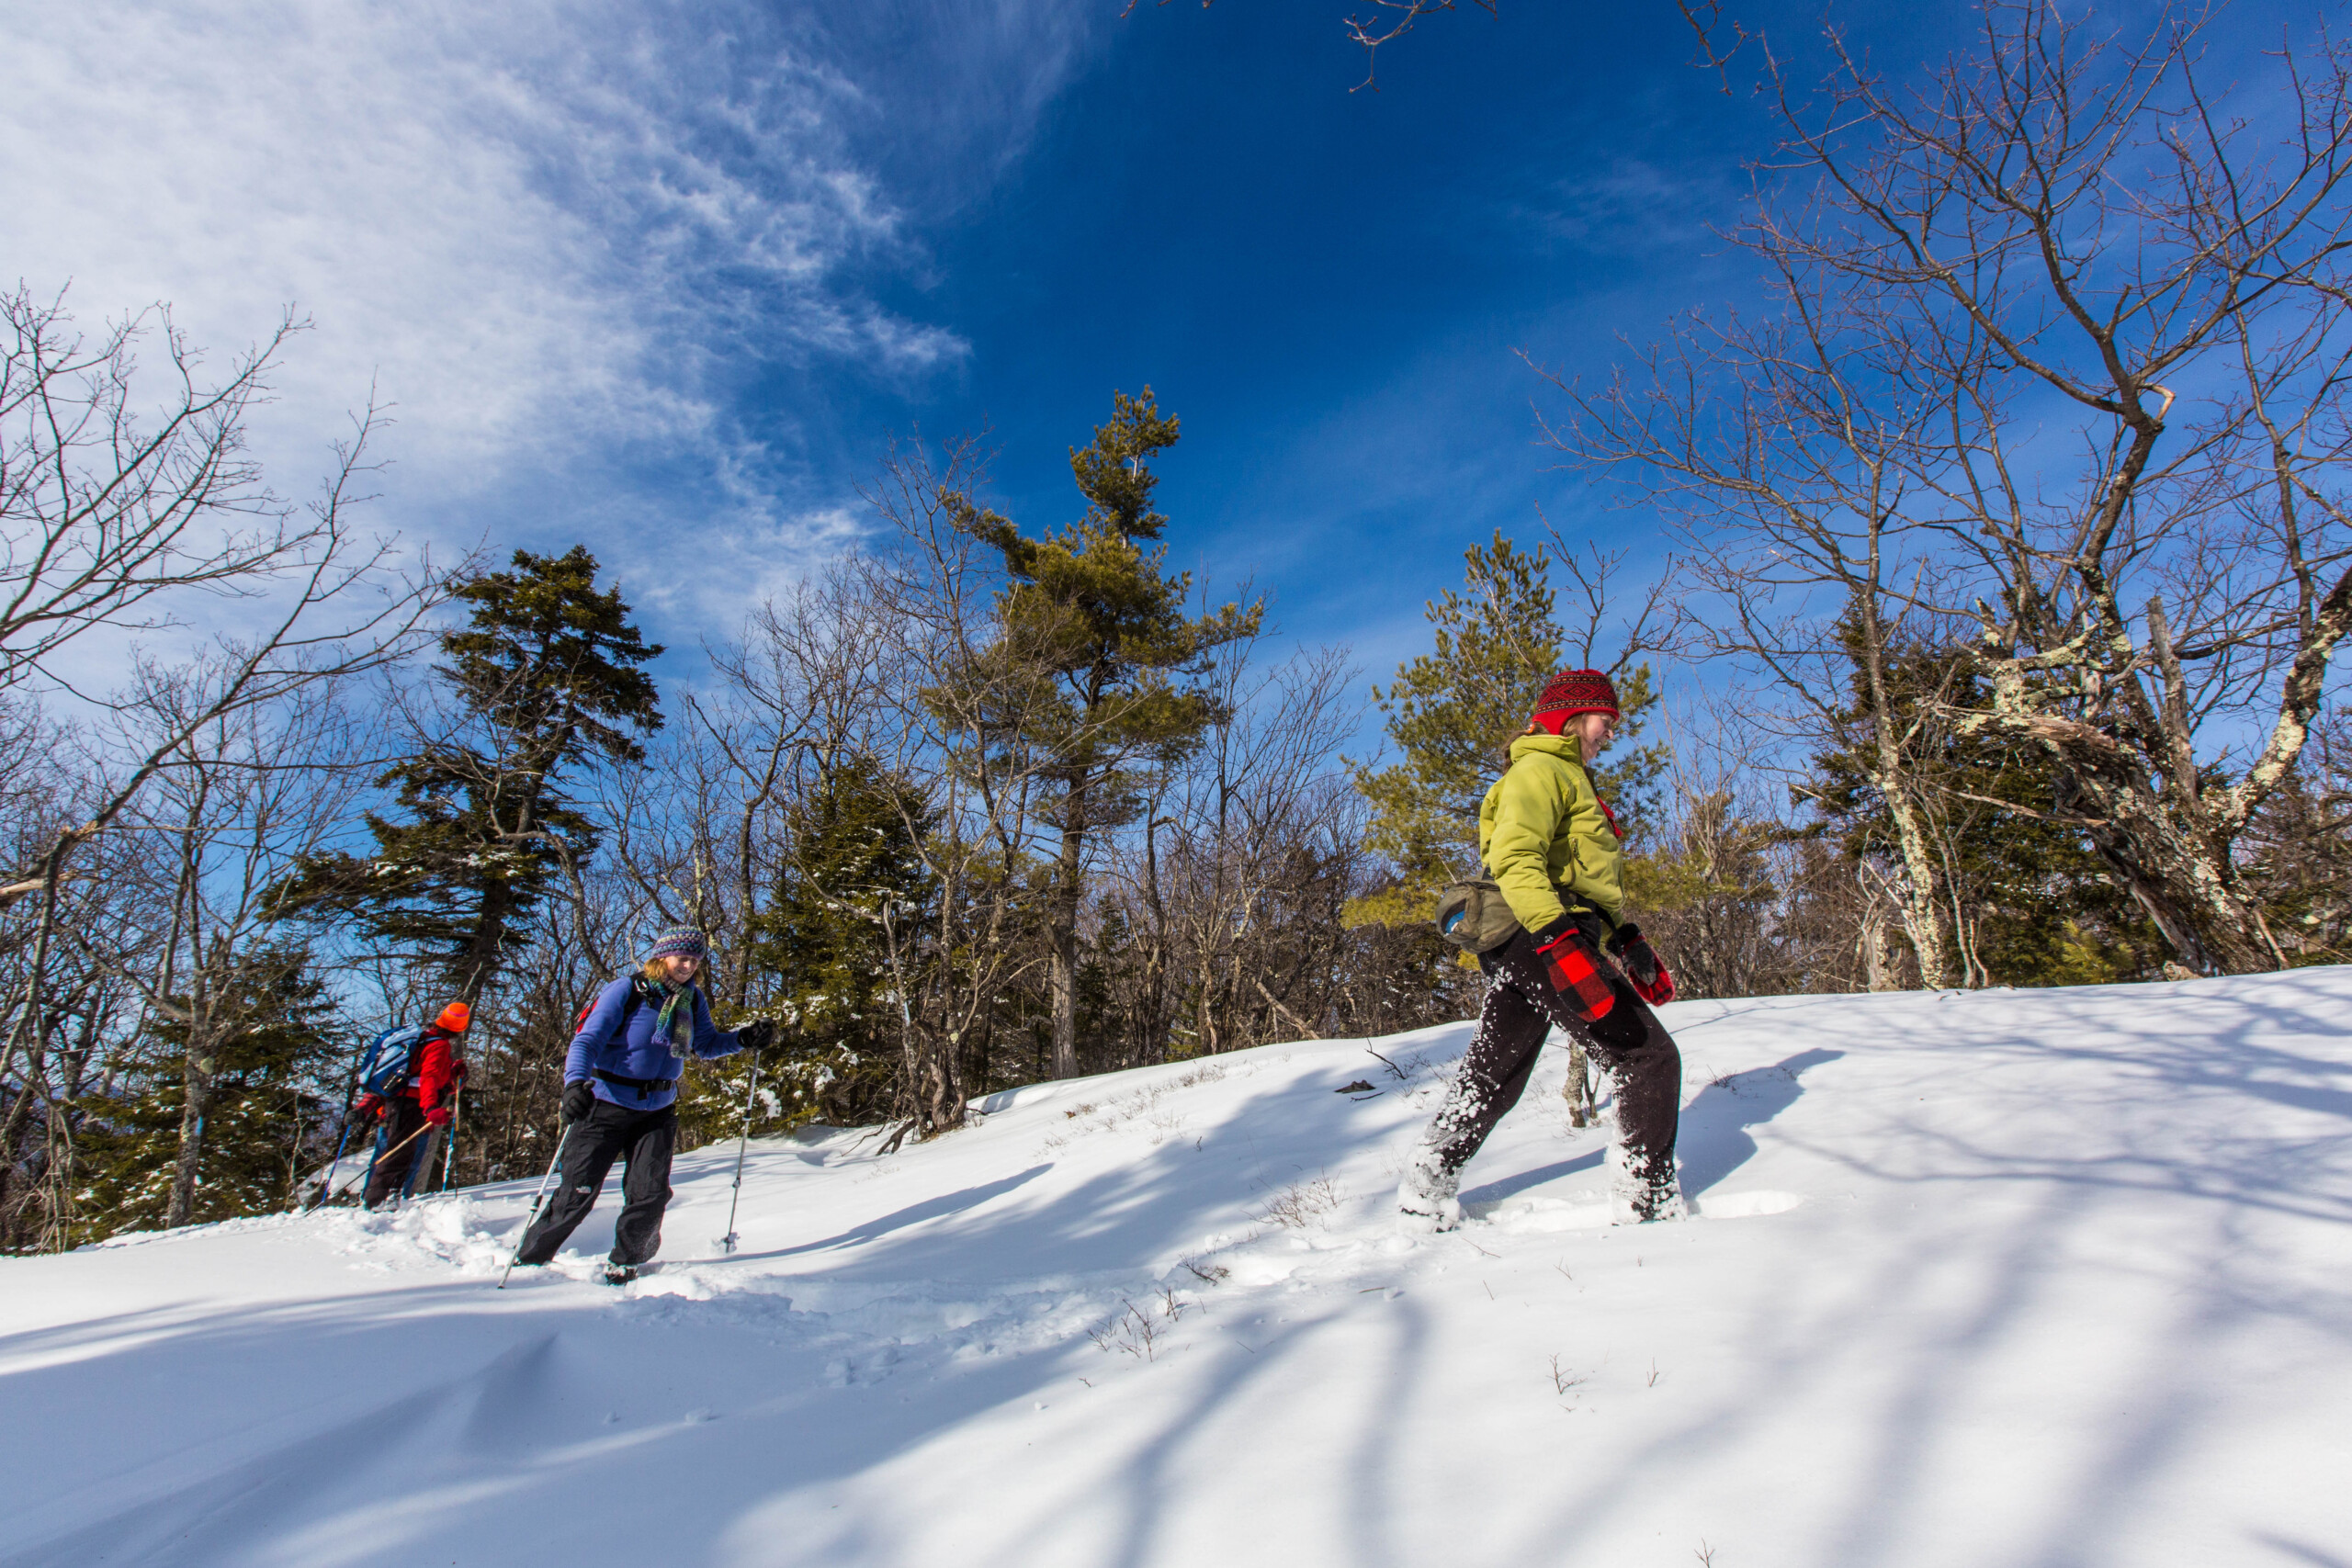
(1646, 1200)
(1425, 1203)
(1652, 1204)
(619, 1273)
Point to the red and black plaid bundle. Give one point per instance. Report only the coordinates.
(1570, 964)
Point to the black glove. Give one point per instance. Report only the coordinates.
(1545, 935)
(1627, 944)
(755, 1035)
(579, 1099)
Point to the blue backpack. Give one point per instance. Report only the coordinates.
(390, 1061)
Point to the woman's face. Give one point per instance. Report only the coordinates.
(679, 968)
(1593, 731)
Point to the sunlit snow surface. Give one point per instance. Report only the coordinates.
(2039, 1279)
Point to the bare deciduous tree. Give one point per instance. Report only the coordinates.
(109, 517)
(239, 800)
(2059, 374)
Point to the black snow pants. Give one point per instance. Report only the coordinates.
(405, 1145)
(644, 1140)
(1522, 1007)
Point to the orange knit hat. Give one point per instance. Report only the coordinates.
(454, 1019)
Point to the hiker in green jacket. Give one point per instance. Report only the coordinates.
(1551, 843)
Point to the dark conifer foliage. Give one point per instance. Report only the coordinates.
(2034, 904)
(547, 679)
(272, 1114)
(834, 950)
(1099, 661)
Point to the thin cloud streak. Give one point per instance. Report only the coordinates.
(557, 240)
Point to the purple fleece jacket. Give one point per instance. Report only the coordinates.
(633, 1052)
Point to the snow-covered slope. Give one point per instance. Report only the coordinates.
(2051, 1277)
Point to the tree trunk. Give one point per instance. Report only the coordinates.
(1923, 914)
(479, 964)
(2189, 889)
(200, 1063)
(944, 1089)
(1578, 1091)
(1062, 976)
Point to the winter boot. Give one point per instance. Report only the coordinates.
(1424, 1197)
(619, 1273)
(1642, 1190)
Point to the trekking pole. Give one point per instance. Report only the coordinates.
(537, 1199)
(368, 1176)
(326, 1177)
(350, 1098)
(743, 1146)
(457, 1123)
(392, 1153)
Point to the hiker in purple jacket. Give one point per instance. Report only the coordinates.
(620, 1093)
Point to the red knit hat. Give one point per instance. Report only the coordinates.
(1573, 692)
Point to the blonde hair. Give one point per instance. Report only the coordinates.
(659, 969)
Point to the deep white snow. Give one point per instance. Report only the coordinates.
(2031, 1278)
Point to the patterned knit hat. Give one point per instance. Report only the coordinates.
(680, 941)
(1573, 692)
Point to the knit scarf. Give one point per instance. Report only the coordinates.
(673, 1023)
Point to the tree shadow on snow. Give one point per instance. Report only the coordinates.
(936, 1208)
(236, 1433)
(2179, 1105)
(1511, 1186)
(1714, 1140)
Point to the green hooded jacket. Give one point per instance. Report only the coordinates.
(1542, 829)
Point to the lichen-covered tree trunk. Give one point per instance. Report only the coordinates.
(1578, 1091)
(2178, 867)
(1923, 915)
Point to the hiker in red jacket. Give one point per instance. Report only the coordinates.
(436, 1066)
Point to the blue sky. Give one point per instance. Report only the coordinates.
(665, 279)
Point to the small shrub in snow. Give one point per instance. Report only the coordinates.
(1135, 1332)
(1144, 1103)
(1302, 1203)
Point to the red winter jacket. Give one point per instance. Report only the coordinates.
(438, 1071)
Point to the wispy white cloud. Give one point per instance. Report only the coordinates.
(557, 237)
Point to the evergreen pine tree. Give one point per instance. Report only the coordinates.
(820, 950)
(1454, 713)
(274, 1096)
(1094, 649)
(548, 675)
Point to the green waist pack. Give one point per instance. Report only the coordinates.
(1474, 917)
